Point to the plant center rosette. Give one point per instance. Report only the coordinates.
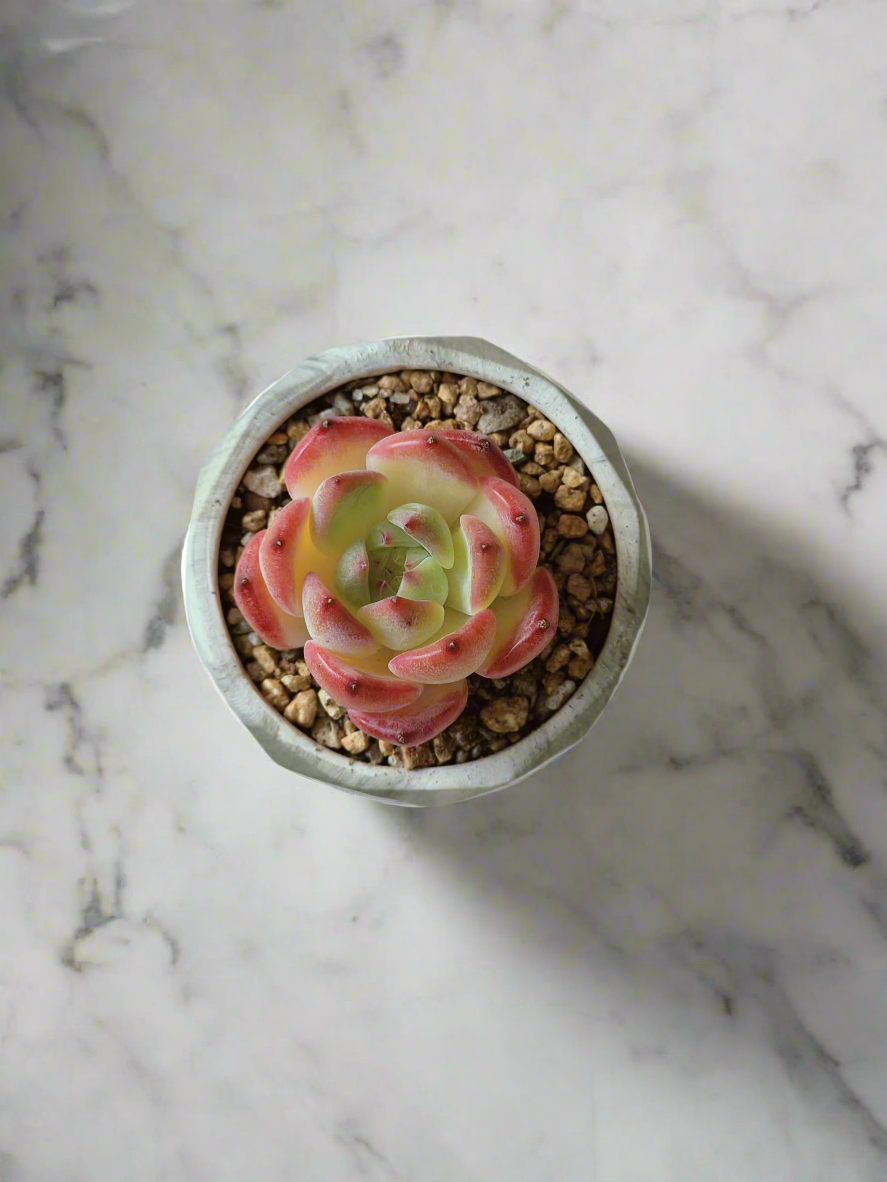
(403, 563)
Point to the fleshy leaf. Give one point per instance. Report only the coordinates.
(426, 526)
(331, 446)
(478, 568)
(387, 537)
(344, 507)
(422, 466)
(414, 556)
(287, 553)
(432, 712)
(352, 575)
(524, 625)
(260, 610)
(330, 622)
(360, 683)
(511, 516)
(485, 457)
(453, 656)
(424, 580)
(386, 571)
(402, 623)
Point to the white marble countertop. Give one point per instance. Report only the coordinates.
(663, 961)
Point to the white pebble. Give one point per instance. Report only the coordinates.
(598, 519)
(343, 405)
(355, 743)
(263, 481)
(326, 731)
(333, 709)
(254, 521)
(558, 696)
(401, 399)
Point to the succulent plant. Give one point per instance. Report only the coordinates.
(403, 563)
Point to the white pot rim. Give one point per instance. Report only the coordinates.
(222, 472)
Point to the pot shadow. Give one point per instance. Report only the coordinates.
(725, 824)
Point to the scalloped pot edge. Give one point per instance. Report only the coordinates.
(221, 474)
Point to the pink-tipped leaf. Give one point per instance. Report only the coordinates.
(333, 445)
(431, 713)
(402, 623)
(511, 516)
(456, 654)
(331, 623)
(287, 553)
(478, 569)
(525, 623)
(360, 683)
(426, 526)
(260, 610)
(344, 508)
(485, 457)
(422, 466)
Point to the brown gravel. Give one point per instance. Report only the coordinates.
(577, 546)
(506, 716)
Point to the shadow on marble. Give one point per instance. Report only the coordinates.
(726, 822)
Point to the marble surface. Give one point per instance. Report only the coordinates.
(665, 959)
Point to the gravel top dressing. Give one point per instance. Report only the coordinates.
(577, 547)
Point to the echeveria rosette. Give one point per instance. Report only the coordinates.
(403, 563)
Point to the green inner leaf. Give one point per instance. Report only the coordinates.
(386, 571)
(427, 527)
(386, 536)
(426, 580)
(352, 573)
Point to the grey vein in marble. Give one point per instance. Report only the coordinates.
(26, 568)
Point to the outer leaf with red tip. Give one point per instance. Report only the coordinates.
(402, 623)
(422, 466)
(453, 656)
(478, 568)
(484, 456)
(344, 508)
(424, 524)
(330, 622)
(431, 713)
(332, 446)
(524, 625)
(287, 552)
(513, 519)
(360, 683)
(260, 610)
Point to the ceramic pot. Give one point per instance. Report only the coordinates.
(221, 474)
